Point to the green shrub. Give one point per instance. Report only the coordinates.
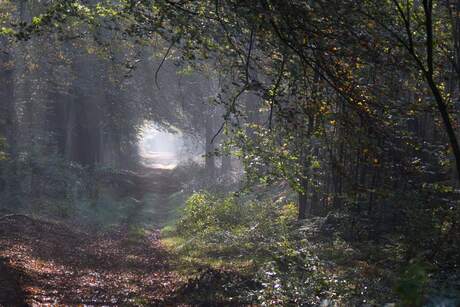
(204, 212)
(230, 220)
(412, 284)
(265, 234)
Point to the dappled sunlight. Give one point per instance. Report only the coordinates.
(230, 153)
(107, 269)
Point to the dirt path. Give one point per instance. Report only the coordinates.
(11, 293)
(44, 263)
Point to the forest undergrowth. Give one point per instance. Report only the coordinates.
(216, 247)
(251, 249)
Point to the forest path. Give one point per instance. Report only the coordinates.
(49, 263)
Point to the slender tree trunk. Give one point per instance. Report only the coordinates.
(8, 120)
(429, 76)
(304, 206)
(210, 163)
(226, 165)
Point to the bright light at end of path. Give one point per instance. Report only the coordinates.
(160, 148)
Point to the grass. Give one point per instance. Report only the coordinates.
(188, 261)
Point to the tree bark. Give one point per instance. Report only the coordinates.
(8, 120)
(429, 76)
(210, 163)
(304, 208)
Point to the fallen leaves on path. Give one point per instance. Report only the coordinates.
(55, 264)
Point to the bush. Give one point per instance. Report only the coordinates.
(262, 233)
(412, 284)
(288, 261)
(204, 212)
(231, 221)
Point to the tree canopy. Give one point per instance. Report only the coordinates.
(352, 106)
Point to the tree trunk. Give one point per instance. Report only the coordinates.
(210, 163)
(429, 76)
(226, 164)
(304, 209)
(8, 120)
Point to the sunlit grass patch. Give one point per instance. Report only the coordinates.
(136, 234)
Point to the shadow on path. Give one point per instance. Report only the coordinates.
(50, 263)
(11, 293)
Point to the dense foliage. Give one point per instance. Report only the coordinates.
(351, 105)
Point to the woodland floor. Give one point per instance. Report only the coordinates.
(48, 263)
(44, 263)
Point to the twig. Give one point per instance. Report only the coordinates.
(275, 90)
(162, 62)
(248, 58)
(218, 132)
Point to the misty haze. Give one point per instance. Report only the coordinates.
(230, 153)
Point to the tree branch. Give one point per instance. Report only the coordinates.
(162, 62)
